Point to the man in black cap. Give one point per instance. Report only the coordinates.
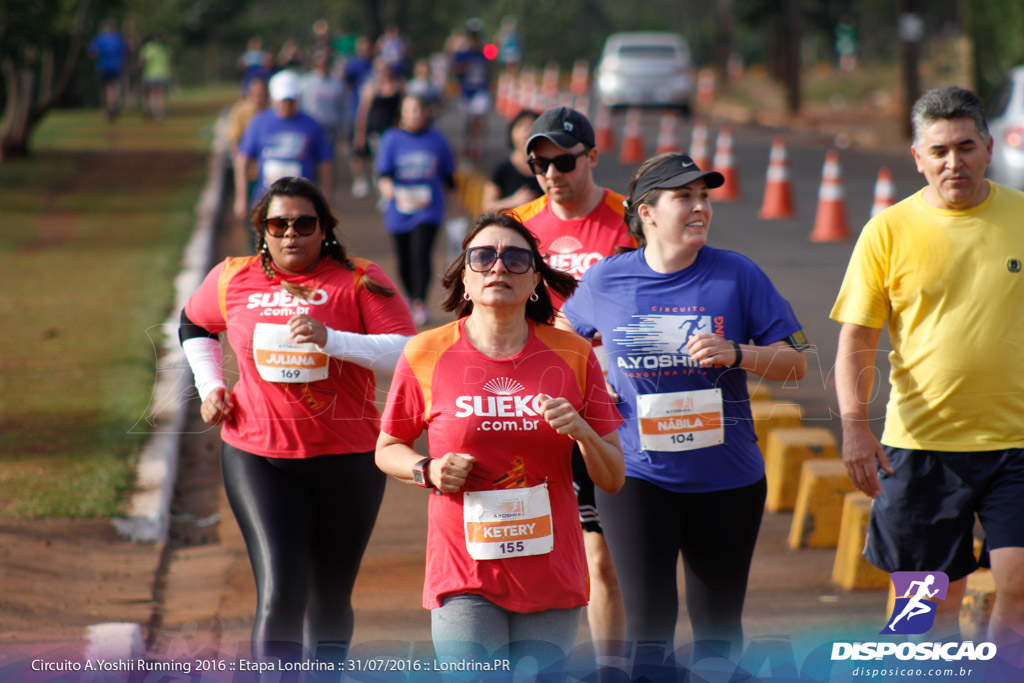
(578, 223)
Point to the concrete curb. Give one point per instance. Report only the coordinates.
(149, 519)
(157, 467)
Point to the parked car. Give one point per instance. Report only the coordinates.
(646, 69)
(1006, 124)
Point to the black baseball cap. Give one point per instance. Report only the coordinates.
(671, 172)
(563, 126)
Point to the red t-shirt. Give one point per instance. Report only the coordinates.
(334, 415)
(471, 403)
(575, 245)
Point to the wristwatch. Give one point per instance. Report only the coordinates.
(419, 473)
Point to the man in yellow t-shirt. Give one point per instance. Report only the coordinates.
(943, 269)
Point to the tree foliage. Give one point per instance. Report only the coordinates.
(996, 27)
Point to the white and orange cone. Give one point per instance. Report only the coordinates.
(549, 85)
(830, 223)
(667, 133)
(725, 164)
(705, 87)
(778, 193)
(604, 138)
(699, 147)
(580, 79)
(885, 192)
(632, 151)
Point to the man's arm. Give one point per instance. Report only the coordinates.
(855, 367)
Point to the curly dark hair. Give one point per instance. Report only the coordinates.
(542, 310)
(331, 247)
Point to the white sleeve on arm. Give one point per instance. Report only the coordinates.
(205, 357)
(378, 352)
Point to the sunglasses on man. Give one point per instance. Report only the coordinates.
(516, 259)
(564, 163)
(277, 227)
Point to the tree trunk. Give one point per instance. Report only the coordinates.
(28, 99)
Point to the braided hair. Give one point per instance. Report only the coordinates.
(330, 247)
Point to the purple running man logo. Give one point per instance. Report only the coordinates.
(917, 596)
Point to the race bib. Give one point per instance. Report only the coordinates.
(410, 199)
(275, 169)
(279, 359)
(680, 420)
(508, 523)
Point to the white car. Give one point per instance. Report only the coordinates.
(646, 69)
(1006, 124)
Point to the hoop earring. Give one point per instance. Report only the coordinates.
(535, 296)
(264, 248)
(465, 295)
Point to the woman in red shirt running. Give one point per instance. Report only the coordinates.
(503, 396)
(309, 326)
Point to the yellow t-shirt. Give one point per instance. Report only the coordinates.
(951, 287)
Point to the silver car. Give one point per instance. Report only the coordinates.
(1006, 124)
(647, 69)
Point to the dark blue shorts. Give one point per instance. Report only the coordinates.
(923, 520)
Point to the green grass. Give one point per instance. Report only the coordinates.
(91, 240)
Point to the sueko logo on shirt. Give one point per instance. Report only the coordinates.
(504, 402)
(567, 255)
(282, 303)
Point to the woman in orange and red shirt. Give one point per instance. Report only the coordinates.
(309, 325)
(503, 396)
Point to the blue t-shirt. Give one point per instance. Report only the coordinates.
(645, 319)
(284, 147)
(421, 166)
(357, 70)
(109, 49)
(472, 69)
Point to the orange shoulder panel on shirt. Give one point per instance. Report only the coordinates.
(232, 265)
(422, 353)
(572, 348)
(614, 201)
(530, 209)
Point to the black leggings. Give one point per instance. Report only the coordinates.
(413, 250)
(647, 527)
(306, 523)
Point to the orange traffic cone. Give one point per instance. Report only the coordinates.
(580, 78)
(604, 138)
(699, 147)
(549, 85)
(885, 193)
(705, 87)
(725, 164)
(778, 194)
(632, 151)
(667, 134)
(830, 224)
(501, 95)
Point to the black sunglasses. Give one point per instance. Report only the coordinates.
(277, 227)
(516, 259)
(564, 163)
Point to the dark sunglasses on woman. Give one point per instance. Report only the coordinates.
(564, 163)
(516, 259)
(277, 227)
